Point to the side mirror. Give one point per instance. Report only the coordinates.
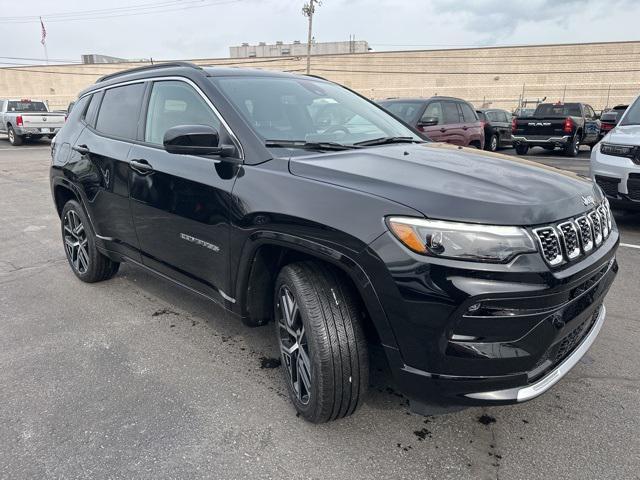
(428, 122)
(195, 140)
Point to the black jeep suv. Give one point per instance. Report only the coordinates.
(292, 198)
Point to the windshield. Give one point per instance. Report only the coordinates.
(308, 110)
(632, 115)
(563, 110)
(26, 106)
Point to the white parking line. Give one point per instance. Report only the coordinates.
(629, 245)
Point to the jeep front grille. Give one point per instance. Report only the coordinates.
(568, 240)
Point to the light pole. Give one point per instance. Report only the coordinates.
(308, 10)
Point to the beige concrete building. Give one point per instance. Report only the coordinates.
(597, 73)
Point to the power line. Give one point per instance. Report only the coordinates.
(151, 10)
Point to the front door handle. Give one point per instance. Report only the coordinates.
(141, 166)
(443, 130)
(82, 149)
(465, 128)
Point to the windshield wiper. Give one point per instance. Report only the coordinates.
(386, 140)
(308, 145)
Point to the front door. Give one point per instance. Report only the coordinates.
(181, 203)
(436, 132)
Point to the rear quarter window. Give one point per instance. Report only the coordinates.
(120, 111)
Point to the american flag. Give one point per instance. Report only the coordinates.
(44, 32)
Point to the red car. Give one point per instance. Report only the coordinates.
(442, 119)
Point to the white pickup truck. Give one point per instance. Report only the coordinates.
(24, 118)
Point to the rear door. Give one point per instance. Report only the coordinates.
(100, 164)
(181, 203)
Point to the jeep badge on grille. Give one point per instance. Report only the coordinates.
(588, 200)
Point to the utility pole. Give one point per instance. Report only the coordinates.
(308, 10)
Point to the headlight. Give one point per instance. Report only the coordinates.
(629, 151)
(464, 241)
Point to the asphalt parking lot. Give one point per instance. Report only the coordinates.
(135, 378)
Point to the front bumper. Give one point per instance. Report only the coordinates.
(618, 177)
(503, 334)
(522, 394)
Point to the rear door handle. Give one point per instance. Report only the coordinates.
(82, 149)
(465, 128)
(443, 130)
(141, 166)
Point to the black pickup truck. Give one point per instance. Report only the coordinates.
(564, 125)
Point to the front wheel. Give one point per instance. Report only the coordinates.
(522, 149)
(322, 344)
(87, 263)
(14, 138)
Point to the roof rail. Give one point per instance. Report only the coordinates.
(147, 67)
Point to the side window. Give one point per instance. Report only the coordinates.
(504, 117)
(91, 112)
(451, 114)
(467, 113)
(174, 103)
(588, 111)
(433, 110)
(120, 110)
(78, 109)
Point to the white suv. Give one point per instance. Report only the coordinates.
(615, 161)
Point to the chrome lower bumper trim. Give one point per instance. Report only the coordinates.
(522, 394)
(563, 139)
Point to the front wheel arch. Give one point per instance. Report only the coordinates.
(265, 259)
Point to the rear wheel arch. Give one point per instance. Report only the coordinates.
(62, 194)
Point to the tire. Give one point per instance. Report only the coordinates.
(573, 148)
(493, 143)
(86, 262)
(522, 149)
(316, 309)
(14, 139)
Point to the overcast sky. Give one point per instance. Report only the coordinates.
(166, 29)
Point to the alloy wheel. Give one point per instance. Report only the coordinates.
(293, 344)
(75, 242)
(494, 143)
(11, 136)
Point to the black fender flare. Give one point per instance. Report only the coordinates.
(339, 259)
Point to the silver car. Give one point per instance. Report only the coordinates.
(615, 161)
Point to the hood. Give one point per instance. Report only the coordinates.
(625, 135)
(452, 183)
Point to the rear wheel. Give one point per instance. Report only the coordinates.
(522, 149)
(493, 143)
(88, 264)
(573, 148)
(14, 138)
(321, 341)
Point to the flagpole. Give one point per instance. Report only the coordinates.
(46, 54)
